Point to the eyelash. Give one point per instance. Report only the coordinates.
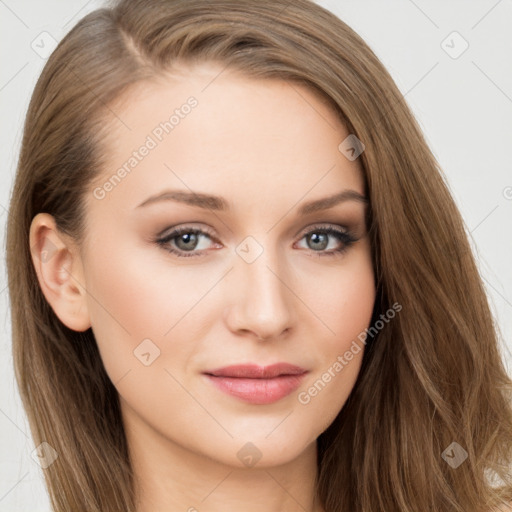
(346, 237)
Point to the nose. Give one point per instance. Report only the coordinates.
(262, 301)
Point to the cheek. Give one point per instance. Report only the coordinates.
(136, 295)
(345, 300)
(126, 304)
(346, 308)
(356, 298)
(352, 316)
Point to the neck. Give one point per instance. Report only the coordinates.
(169, 478)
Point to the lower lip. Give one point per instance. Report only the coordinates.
(258, 391)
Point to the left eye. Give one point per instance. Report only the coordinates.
(187, 240)
(184, 239)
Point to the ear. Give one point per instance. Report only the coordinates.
(60, 273)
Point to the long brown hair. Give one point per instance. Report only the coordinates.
(431, 377)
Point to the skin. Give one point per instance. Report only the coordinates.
(266, 146)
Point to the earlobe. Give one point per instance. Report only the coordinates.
(59, 271)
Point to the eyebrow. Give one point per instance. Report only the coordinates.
(217, 203)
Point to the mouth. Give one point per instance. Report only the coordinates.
(257, 384)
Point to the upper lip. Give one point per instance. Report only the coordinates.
(253, 371)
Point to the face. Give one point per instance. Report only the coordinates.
(180, 286)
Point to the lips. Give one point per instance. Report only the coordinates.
(257, 384)
(252, 371)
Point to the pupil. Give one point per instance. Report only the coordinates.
(187, 238)
(315, 239)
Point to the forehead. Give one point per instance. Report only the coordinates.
(209, 129)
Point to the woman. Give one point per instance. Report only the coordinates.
(327, 344)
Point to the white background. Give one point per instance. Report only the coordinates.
(463, 104)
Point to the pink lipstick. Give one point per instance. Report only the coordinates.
(257, 384)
